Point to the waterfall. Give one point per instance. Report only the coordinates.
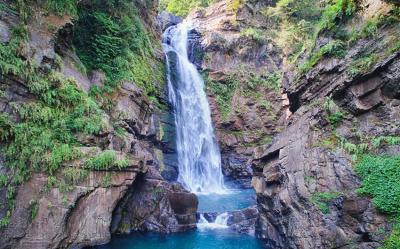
(221, 221)
(199, 157)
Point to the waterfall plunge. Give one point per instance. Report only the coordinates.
(198, 153)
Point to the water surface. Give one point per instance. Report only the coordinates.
(197, 239)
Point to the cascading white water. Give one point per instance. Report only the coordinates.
(221, 221)
(198, 153)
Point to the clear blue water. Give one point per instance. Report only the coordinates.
(236, 199)
(197, 239)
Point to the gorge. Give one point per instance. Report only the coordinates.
(200, 124)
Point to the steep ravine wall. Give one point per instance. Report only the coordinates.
(82, 201)
(340, 105)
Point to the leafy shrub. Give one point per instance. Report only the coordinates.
(393, 241)
(338, 10)
(34, 208)
(335, 116)
(361, 65)
(3, 180)
(380, 176)
(322, 200)
(105, 160)
(223, 92)
(74, 175)
(254, 34)
(61, 7)
(335, 48)
(115, 41)
(182, 7)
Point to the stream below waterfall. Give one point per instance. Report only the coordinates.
(199, 164)
(206, 236)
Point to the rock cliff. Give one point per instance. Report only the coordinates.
(340, 102)
(110, 170)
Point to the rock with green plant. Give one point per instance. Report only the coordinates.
(83, 115)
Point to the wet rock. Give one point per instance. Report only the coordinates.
(156, 205)
(166, 20)
(241, 221)
(237, 168)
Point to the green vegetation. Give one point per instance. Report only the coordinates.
(182, 7)
(247, 83)
(380, 180)
(253, 33)
(3, 180)
(362, 64)
(74, 175)
(106, 160)
(42, 133)
(34, 208)
(44, 136)
(64, 7)
(106, 180)
(339, 10)
(223, 92)
(335, 116)
(380, 175)
(393, 241)
(109, 36)
(334, 49)
(322, 200)
(298, 24)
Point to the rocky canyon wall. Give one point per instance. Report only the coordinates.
(113, 182)
(332, 102)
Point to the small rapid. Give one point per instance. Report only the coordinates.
(221, 222)
(199, 157)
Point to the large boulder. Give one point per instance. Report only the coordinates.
(156, 205)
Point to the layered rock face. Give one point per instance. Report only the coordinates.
(304, 177)
(305, 180)
(84, 210)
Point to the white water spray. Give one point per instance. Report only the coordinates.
(198, 153)
(221, 221)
